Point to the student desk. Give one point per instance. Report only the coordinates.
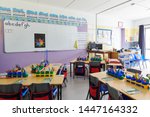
(57, 80)
(114, 65)
(103, 52)
(86, 62)
(121, 85)
(55, 67)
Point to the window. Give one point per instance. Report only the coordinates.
(147, 43)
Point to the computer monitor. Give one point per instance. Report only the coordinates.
(99, 46)
(91, 45)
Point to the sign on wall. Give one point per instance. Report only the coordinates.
(104, 36)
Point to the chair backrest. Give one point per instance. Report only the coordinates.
(138, 56)
(134, 70)
(79, 68)
(94, 88)
(113, 93)
(132, 57)
(94, 66)
(42, 91)
(62, 71)
(11, 92)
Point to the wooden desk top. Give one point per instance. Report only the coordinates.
(55, 67)
(121, 85)
(56, 80)
(99, 51)
(114, 64)
(126, 53)
(86, 62)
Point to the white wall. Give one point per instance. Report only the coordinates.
(144, 21)
(110, 22)
(46, 8)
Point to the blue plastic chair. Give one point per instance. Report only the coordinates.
(144, 60)
(103, 90)
(135, 59)
(141, 58)
(132, 60)
(138, 59)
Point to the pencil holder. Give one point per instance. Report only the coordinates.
(9, 74)
(14, 74)
(19, 74)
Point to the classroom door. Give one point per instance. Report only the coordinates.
(147, 43)
(116, 38)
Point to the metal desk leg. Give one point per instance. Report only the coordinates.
(103, 66)
(70, 70)
(88, 94)
(58, 94)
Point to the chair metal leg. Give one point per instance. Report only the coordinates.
(145, 64)
(88, 94)
(67, 79)
(139, 65)
(103, 94)
(64, 82)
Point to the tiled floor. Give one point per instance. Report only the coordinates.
(76, 89)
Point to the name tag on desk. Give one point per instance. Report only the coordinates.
(20, 81)
(108, 79)
(47, 80)
(131, 91)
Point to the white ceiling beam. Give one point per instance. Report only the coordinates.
(114, 6)
(69, 4)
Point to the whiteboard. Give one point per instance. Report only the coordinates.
(19, 36)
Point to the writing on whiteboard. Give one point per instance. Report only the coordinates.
(25, 25)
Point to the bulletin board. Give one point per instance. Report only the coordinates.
(104, 36)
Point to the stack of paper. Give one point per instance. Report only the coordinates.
(20, 81)
(131, 91)
(108, 79)
(47, 80)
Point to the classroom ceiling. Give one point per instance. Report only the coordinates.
(124, 9)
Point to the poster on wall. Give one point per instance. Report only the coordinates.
(104, 36)
(39, 40)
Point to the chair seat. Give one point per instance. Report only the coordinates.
(79, 69)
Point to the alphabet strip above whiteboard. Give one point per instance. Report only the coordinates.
(40, 17)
